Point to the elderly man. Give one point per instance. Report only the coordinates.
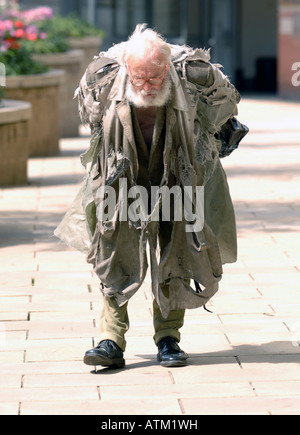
(155, 111)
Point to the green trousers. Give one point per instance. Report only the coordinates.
(114, 323)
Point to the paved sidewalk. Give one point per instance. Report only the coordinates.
(244, 358)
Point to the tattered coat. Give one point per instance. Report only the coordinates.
(202, 101)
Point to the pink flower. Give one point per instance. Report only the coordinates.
(6, 25)
(19, 24)
(37, 14)
(32, 37)
(20, 33)
(32, 29)
(16, 25)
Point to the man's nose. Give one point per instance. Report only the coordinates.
(147, 87)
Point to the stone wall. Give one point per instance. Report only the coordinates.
(71, 63)
(14, 133)
(42, 91)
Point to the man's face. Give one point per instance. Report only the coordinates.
(149, 84)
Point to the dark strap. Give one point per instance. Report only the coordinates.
(199, 290)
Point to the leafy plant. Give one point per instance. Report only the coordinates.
(36, 31)
(25, 29)
(54, 44)
(16, 58)
(19, 62)
(70, 26)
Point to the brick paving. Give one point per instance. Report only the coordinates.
(244, 357)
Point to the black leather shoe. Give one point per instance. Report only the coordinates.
(106, 354)
(170, 354)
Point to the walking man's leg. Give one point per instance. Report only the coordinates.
(114, 323)
(167, 335)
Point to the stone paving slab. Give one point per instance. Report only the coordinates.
(242, 406)
(244, 356)
(101, 407)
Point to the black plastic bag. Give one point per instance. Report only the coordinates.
(230, 136)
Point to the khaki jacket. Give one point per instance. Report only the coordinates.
(202, 101)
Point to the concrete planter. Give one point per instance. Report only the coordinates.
(14, 133)
(90, 46)
(71, 63)
(42, 91)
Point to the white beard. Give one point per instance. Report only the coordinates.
(138, 98)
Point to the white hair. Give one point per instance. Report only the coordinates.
(144, 43)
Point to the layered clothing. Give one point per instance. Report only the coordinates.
(184, 153)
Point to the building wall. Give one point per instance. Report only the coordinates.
(289, 49)
(242, 36)
(257, 54)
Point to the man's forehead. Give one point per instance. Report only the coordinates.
(144, 66)
(156, 61)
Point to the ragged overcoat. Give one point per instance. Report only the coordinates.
(203, 99)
